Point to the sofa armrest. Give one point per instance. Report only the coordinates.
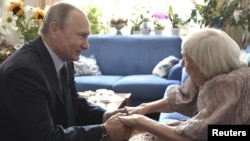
(175, 72)
(248, 49)
(184, 75)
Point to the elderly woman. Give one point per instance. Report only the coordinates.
(216, 92)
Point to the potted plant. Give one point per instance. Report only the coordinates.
(226, 15)
(140, 18)
(219, 14)
(137, 22)
(135, 29)
(94, 15)
(175, 21)
(207, 14)
(159, 24)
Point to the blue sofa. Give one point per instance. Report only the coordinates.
(126, 63)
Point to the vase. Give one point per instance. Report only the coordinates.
(118, 31)
(175, 31)
(137, 32)
(118, 27)
(158, 32)
(145, 28)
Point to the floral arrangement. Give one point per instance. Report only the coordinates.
(27, 19)
(118, 23)
(158, 22)
(7, 22)
(24, 19)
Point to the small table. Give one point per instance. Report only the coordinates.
(119, 100)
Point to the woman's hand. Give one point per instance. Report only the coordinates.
(136, 110)
(130, 120)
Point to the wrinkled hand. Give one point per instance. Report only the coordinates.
(108, 114)
(116, 129)
(130, 120)
(135, 110)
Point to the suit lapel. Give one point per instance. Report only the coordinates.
(49, 68)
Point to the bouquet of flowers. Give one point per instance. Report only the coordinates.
(28, 19)
(118, 23)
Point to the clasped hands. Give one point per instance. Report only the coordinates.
(121, 123)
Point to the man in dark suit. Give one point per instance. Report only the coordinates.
(35, 105)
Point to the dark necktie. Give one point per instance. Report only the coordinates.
(67, 95)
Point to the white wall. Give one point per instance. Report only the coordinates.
(2, 7)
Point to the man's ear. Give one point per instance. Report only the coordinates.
(53, 28)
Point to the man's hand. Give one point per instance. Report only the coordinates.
(130, 120)
(108, 114)
(116, 129)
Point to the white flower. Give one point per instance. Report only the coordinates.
(9, 21)
(28, 11)
(237, 14)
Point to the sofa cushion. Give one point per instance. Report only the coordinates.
(86, 66)
(146, 87)
(184, 75)
(95, 82)
(161, 69)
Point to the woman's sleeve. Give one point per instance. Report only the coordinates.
(220, 101)
(183, 98)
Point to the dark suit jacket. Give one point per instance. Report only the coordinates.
(31, 104)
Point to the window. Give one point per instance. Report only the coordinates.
(125, 8)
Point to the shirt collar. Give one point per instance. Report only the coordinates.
(58, 63)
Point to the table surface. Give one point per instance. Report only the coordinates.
(117, 101)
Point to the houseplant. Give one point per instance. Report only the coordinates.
(173, 17)
(203, 14)
(94, 15)
(175, 21)
(159, 24)
(158, 20)
(214, 13)
(232, 16)
(139, 19)
(137, 22)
